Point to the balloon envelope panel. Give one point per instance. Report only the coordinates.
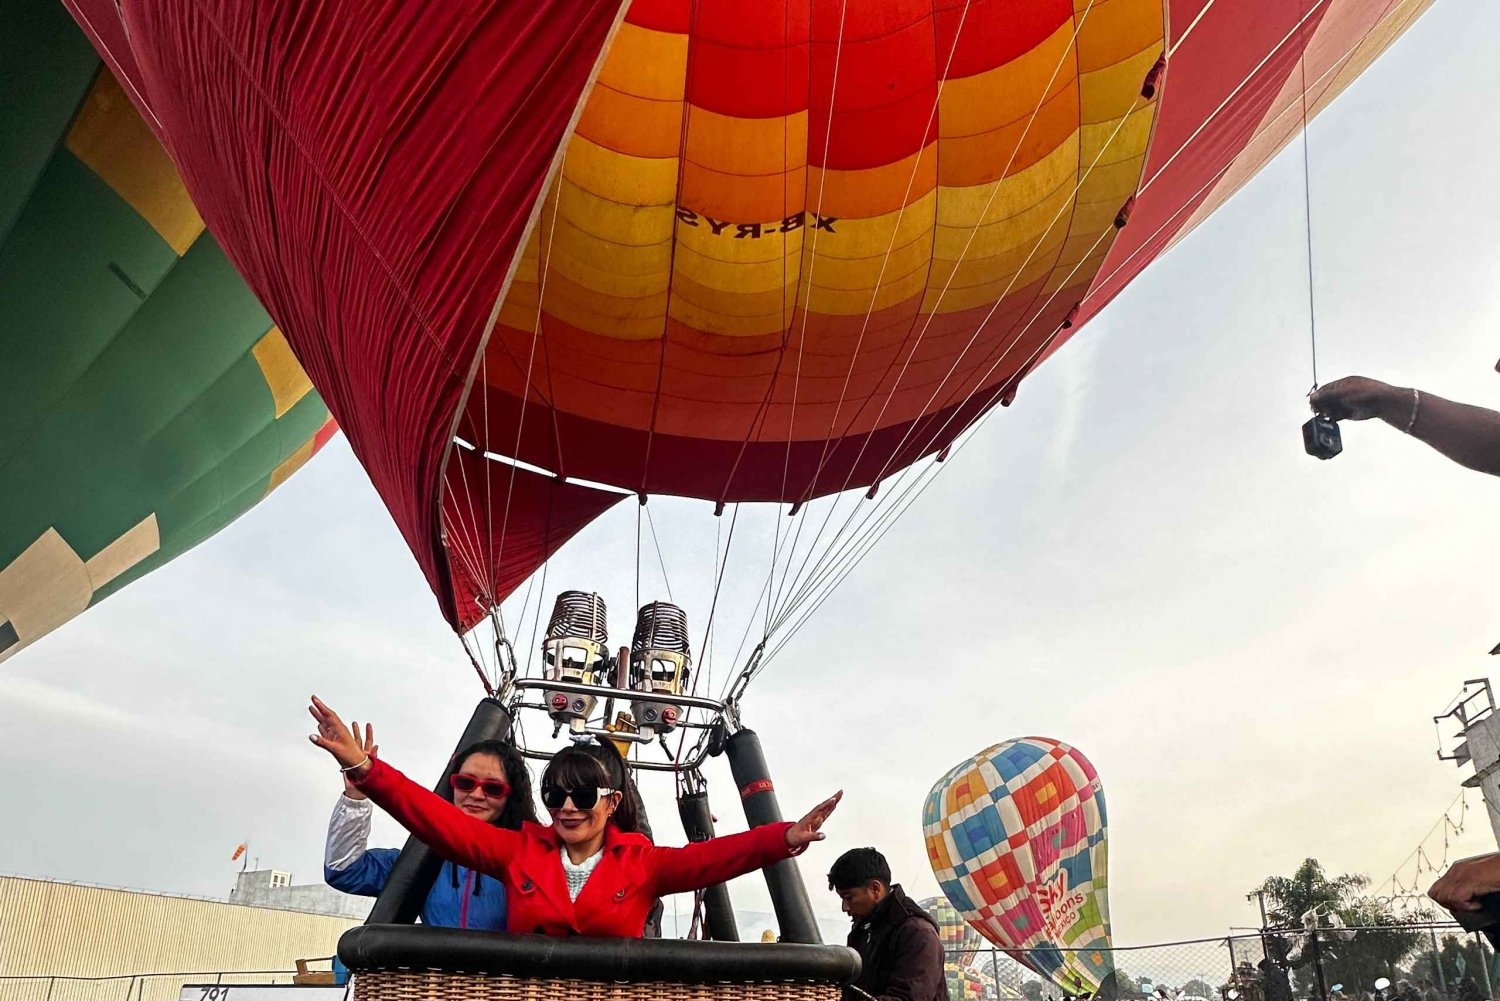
(1017, 839)
(146, 398)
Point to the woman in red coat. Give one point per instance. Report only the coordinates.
(588, 873)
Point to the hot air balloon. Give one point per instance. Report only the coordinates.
(732, 251)
(543, 258)
(146, 398)
(965, 984)
(1017, 839)
(960, 941)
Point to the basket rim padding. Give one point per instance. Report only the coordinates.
(418, 947)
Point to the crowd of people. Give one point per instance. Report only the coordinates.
(1465, 989)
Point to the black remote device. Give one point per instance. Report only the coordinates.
(1320, 436)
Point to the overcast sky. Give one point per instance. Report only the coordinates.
(1137, 558)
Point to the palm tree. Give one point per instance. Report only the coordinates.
(1290, 897)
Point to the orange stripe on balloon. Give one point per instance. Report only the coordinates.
(1014, 148)
(747, 146)
(1116, 30)
(874, 191)
(632, 125)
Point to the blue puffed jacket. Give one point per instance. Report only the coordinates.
(460, 897)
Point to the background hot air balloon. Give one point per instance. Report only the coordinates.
(965, 984)
(1017, 839)
(146, 398)
(960, 947)
(960, 940)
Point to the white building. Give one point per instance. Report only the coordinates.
(275, 889)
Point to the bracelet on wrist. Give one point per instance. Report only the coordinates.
(356, 767)
(1416, 408)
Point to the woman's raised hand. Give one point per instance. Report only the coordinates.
(807, 830)
(334, 737)
(367, 742)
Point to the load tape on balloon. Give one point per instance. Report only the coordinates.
(1016, 836)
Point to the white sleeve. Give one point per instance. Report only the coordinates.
(348, 832)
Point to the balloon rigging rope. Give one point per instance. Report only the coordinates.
(1068, 207)
(788, 322)
(887, 518)
(811, 267)
(1312, 306)
(836, 551)
(489, 499)
(1229, 98)
(872, 536)
(1270, 126)
(721, 566)
(822, 572)
(890, 247)
(1172, 50)
(757, 421)
(854, 512)
(933, 439)
(682, 154)
(1069, 50)
(487, 578)
(464, 547)
(537, 334)
(864, 327)
(666, 580)
(880, 518)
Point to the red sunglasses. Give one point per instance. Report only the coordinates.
(493, 788)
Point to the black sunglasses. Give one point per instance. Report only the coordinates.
(553, 797)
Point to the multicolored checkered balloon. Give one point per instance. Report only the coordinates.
(961, 943)
(1016, 837)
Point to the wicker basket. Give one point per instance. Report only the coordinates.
(433, 986)
(406, 963)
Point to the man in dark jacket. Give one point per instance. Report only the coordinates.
(901, 956)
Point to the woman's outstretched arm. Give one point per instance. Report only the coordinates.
(699, 865)
(436, 822)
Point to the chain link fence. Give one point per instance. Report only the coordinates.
(1414, 962)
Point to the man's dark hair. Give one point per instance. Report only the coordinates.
(858, 866)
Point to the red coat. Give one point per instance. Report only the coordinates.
(619, 892)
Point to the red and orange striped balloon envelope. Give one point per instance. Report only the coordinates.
(739, 250)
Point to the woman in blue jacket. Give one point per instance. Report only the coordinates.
(491, 783)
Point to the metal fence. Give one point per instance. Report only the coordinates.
(1418, 962)
(130, 987)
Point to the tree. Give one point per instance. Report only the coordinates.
(1197, 988)
(1460, 957)
(1373, 943)
(1292, 896)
